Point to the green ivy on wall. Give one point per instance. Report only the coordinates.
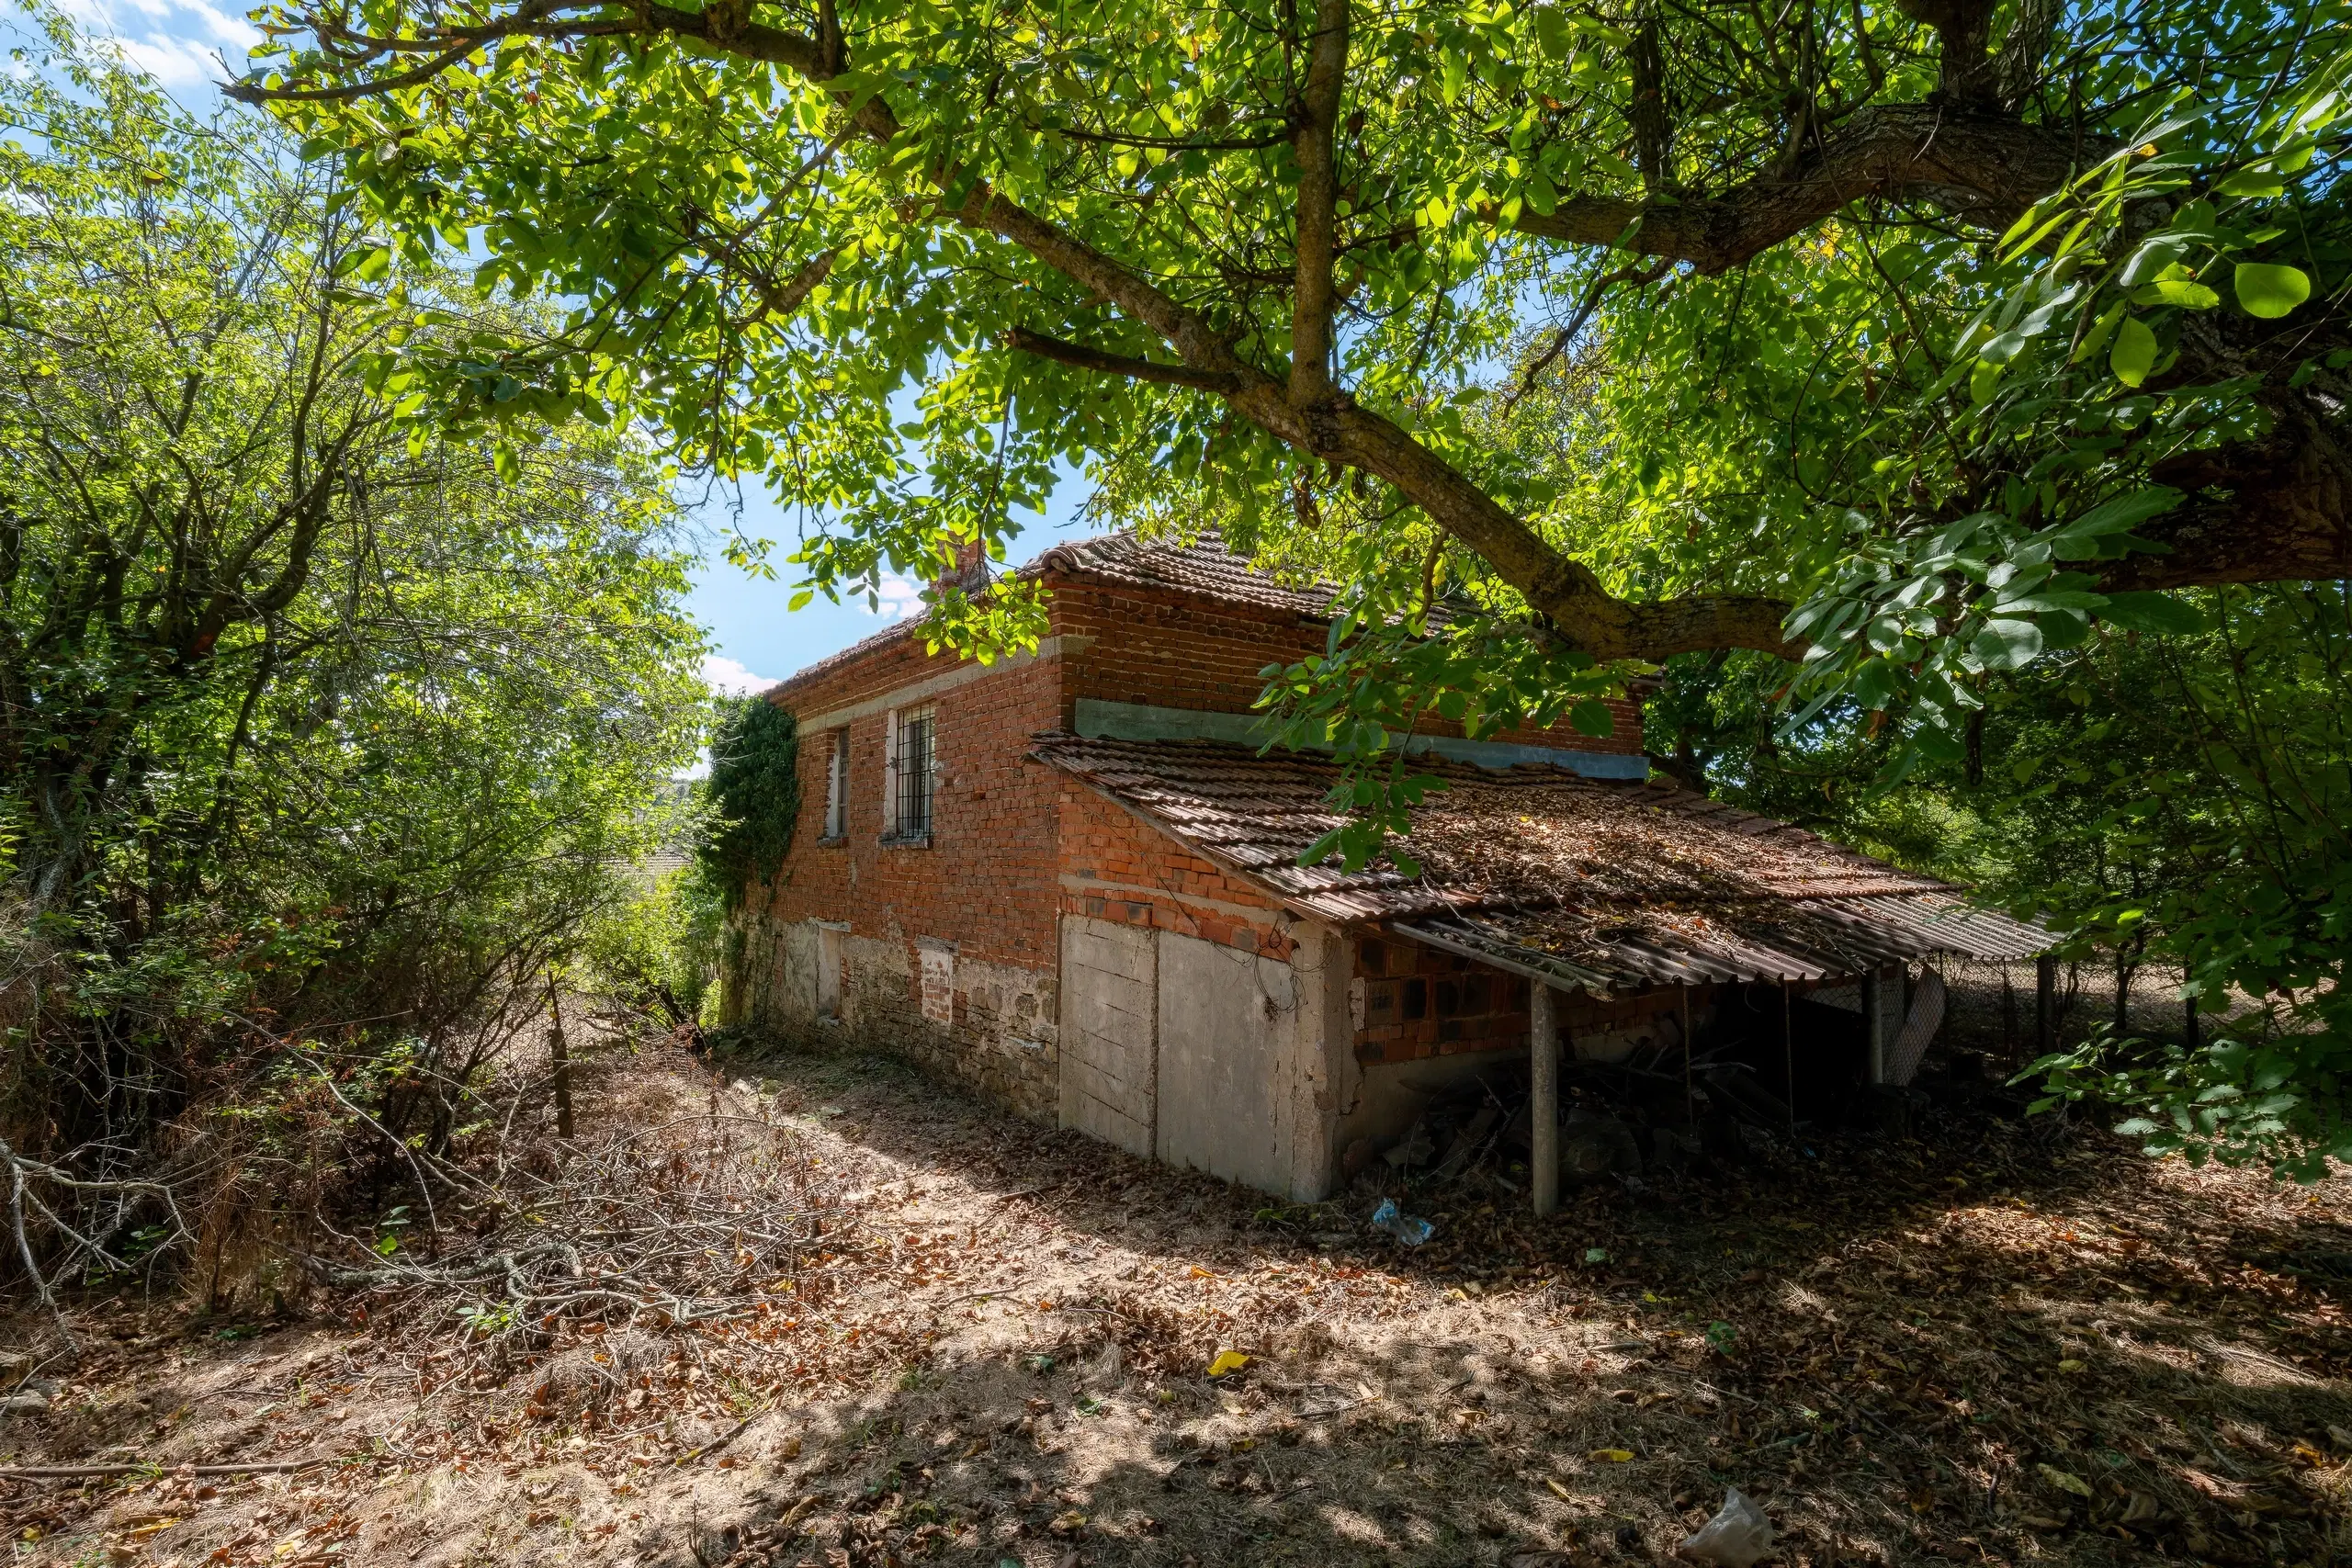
(754, 795)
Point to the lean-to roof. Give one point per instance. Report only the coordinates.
(1590, 883)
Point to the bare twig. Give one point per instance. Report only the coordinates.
(94, 1472)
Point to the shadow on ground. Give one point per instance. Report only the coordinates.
(2000, 1341)
(1993, 1341)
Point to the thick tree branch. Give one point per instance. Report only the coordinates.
(1586, 616)
(1653, 136)
(1021, 340)
(1964, 32)
(1987, 164)
(1585, 613)
(782, 298)
(1315, 143)
(2277, 510)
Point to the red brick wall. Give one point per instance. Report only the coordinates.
(1420, 1002)
(1176, 651)
(1171, 650)
(1116, 867)
(986, 881)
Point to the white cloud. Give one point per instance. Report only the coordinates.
(181, 43)
(901, 598)
(174, 62)
(731, 678)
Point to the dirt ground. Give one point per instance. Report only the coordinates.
(1994, 1341)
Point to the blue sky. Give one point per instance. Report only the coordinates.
(190, 45)
(758, 641)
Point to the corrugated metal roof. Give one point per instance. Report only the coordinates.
(1593, 884)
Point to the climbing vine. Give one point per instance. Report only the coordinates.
(754, 796)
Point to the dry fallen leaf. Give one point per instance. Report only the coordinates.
(2063, 1482)
(1227, 1361)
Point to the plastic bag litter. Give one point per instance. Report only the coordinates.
(1737, 1537)
(1410, 1229)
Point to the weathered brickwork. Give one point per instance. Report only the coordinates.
(1117, 868)
(984, 885)
(1413, 1003)
(1015, 846)
(1172, 651)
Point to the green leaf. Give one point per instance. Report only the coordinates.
(2159, 253)
(2160, 614)
(1593, 719)
(1553, 34)
(2186, 293)
(2125, 512)
(2078, 540)
(2007, 644)
(2134, 354)
(2254, 183)
(2270, 291)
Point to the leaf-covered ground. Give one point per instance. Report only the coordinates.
(1995, 1342)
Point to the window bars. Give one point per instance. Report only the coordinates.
(912, 759)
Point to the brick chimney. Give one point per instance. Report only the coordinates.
(971, 573)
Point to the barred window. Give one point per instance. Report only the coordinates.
(912, 755)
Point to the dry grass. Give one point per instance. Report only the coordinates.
(1929, 1351)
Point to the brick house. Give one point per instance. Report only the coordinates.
(1070, 882)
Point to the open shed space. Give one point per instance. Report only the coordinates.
(1995, 1341)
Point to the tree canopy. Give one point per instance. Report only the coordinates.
(2010, 280)
(318, 735)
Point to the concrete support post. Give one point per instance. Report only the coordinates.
(1875, 1021)
(1543, 1097)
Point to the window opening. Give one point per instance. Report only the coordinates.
(837, 788)
(914, 756)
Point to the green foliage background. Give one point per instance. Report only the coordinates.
(321, 739)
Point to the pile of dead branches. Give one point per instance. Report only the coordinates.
(688, 1222)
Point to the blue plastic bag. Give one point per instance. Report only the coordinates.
(1410, 1229)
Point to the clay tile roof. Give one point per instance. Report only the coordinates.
(1593, 884)
(1204, 567)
